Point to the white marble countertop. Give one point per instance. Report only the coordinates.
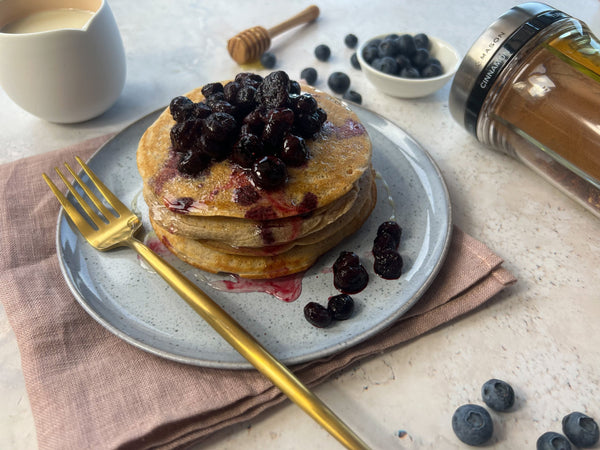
(541, 335)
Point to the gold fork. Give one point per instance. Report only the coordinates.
(118, 228)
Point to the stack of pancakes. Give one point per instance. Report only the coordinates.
(220, 222)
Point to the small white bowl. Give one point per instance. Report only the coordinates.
(397, 86)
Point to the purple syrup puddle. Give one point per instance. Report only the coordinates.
(287, 289)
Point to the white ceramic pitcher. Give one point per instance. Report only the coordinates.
(64, 75)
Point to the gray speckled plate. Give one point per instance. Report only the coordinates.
(139, 307)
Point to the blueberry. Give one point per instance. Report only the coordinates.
(410, 72)
(498, 395)
(211, 89)
(387, 64)
(338, 82)
(421, 58)
(370, 53)
(181, 108)
(346, 258)
(350, 40)
(322, 52)
(294, 151)
(552, 441)
(422, 41)
(294, 87)
(403, 61)
(309, 75)
(388, 264)
(269, 172)
(354, 61)
(388, 47)
(268, 60)
(392, 228)
(406, 45)
(581, 429)
(353, 96)
(472, 424)
(431, 70)
(317, 315)
(341, 306)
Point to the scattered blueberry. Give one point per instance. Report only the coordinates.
(322, 52)
(309, 75)
(552, 441)
(388, 265)
(349, 275)
(353, 96)
(354, 61)
(268, 60)
(498, 395)
(581, 429)
(317, 315)
(388, 262)
(350, 40)
(472, 424)
(338, 82)
(341, 306)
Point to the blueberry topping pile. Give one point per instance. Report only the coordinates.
(388, 262)
(552, 441)
(322, 52)
(405, 56)
(260, 124)
(349, 275)
(498, 395)
(472, 424)
(581, 429)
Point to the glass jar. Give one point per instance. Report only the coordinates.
(530, 87)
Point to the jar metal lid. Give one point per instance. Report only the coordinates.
(490, 53)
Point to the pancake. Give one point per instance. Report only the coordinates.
(340, 154)
(296, 259)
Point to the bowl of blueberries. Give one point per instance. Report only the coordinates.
(408, 65)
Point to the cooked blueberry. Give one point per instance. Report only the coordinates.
(245, 97)
(472, 424)
(230, 91)
(431, 70)
(211, 88)
(387, 64)
(350, 279)
(422, 41)
(247, 149)
(388, 264)
(346, 258)
(249, 78)
(498, 394)
(184, 134)
(421, 58)
(269, 172)
(338, 82)
(181, 108)
(552, 441)
(384, 242)
(219, 126)
(406, 45)
(581, 429)
(294, 87)
(410, 72)
(274, 90)
(192, 163)
(370, 53)
(201, 110)
(392, 228)
(305, 103)
(294, 151)
(317, 315)
(322, 52)
(353, 96)
(309, 75)
(354, 61)
(306, 125)
(267, 59)
(341, 306)
(350, 40)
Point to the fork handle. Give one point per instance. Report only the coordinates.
(250, 348)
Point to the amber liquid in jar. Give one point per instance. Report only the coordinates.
(546, 110)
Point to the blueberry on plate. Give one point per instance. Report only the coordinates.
(267, 59)
(341, 306)
(552, 441)
(338, 82)
(353, 96)
(322, 52)
(472, 424)
(581, 429)
(498, 394)
(354, 61)
(317, 315)
(310, 75)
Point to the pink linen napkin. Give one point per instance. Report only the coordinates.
(90, 389)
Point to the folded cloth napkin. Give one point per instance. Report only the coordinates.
(90, 389)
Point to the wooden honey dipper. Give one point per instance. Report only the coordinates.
(250, 44)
